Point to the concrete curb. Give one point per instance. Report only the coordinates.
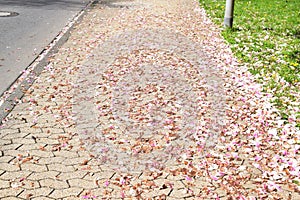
(18, 88)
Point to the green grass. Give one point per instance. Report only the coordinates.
(266, 36)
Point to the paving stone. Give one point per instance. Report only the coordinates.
(33, 167)
(5, 142)
(220, 192)
(48, 141)
(71, 198)
(10, 198)
(15, 136)
(29, 147)
(23, 141)
(60, 168)
(35, 176)
(41, 153)
(72, 175)
(63, 193)
(65, 154)
(6, 159)
(180, 193)
(15, 124)
(99, 175)
(175, 184)
(250, 185)
(147, 176)
(56, 184)
(4, 184)
(295, 196)
(41, 198)
(52, 131)
(175, 178)
(57, 136)
(9, 167)
(4, 131)
(100, 192)
(170, 184)
(13, 146)
(32, 131)
(30, 184)
(10, 192)
(51, 160)
(198, 183)
(14, 153)
(75, 161)
(88, 168)
(14, 175)
(189, 198)
(115, 194)
(75, 142)
(82, 183)
(157, 192)
(20, 107)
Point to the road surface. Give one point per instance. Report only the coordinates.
(24, 36)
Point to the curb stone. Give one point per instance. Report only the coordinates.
(9, 99)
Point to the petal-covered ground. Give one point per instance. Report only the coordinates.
(146, 101)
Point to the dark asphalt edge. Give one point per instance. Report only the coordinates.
(23, 82)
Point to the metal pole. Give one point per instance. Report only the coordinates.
(228, 19)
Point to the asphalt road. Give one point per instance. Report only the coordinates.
(24, 36)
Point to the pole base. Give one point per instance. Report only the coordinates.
(228, 22)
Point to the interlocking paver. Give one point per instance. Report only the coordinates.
(72, 175)
(99, 192)
(8, 167)
(65, 154)
(29, 184)
(51, 160)
(29, 147)
(4, 132)
(4, 183)
(60, 168)
(12, 146)
(99, 175)
(10, 198)
(180, 193)
(63, 193)
(157, 193)
(76, 161)
(34, 131)
(41, 154)
(35, 176)
(6, 159)
(10, 192)
(53, 131)
(55, 184)
(42, 198)
(81, 183)
(45, 140)
(5, 142)
(15, 136)
(13, 153)
(37, 192)
(13, 175)
(34, 167)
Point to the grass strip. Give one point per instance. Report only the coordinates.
(266, 37)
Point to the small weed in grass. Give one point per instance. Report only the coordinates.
(266, 35)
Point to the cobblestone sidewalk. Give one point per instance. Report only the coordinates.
(134, 79)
